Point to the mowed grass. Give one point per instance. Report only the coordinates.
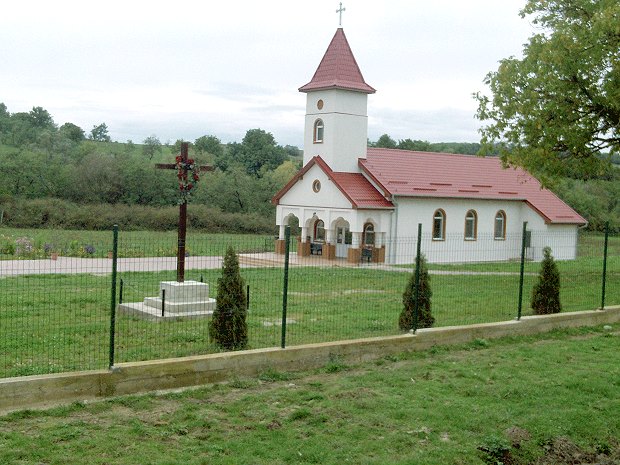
(131, 243)
(54, 323)
(434, 407)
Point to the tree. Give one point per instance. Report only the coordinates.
(415, 145)
(258, 149)
(151, 146)
(385, 142)
(407, 316)
(72, 132)
(546, 292)
(228, 327)
(209, 144)
(559, 106)
(41, 119)
(100, 133)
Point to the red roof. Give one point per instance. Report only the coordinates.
(338, 69)
(423, 174)
(354, 186)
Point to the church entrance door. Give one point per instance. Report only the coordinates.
(343, 241)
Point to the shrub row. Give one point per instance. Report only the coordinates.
(55, 213)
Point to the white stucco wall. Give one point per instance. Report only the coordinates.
(455, 249)
(345, 121)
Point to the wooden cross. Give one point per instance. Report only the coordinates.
(182, 206)
(340, 10)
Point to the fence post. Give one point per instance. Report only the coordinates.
(287, 241)
(416, 305)
(521, 271)
(113, 296)
(605, 265)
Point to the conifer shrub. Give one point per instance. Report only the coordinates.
(425, 318)
(546, 292)
(229, 329)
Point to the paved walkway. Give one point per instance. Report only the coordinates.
(103, 266)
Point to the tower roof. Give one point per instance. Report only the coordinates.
(338, 69)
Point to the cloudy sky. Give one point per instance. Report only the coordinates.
(182, 69)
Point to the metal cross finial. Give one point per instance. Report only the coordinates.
(340, 10)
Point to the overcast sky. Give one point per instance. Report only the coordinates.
(182, 69)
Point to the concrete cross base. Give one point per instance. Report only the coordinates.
(186, 299)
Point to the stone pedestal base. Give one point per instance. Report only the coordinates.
(303, 249)
(186, 299)
(329, 251)
(354, 255)
(280, 246)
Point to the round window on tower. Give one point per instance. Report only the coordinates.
(319, 104)
(316, 185)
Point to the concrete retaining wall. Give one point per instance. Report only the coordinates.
(140, 377)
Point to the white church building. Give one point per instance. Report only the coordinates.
(354, 202)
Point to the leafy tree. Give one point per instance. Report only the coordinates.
(72, 132)
(407, 316)
(41, 119)
(209, 144)
(100, 133)
(293, 151)
(559, 106)
(415, 145)
(229, 327)
(385, 142)
(258, 149)
(546, 292)
(151, 146)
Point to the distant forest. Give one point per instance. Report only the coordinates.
(63, 176)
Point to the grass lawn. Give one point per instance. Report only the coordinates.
(97, 244)
(53, 323)
(552, 398)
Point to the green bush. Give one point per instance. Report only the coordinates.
(56, 213)
(425, 318)
(546, 292)
(229, 328)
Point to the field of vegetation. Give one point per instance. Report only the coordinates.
(549, 399)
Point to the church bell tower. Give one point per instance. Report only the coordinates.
(336, 126)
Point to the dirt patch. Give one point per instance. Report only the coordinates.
(562, 451)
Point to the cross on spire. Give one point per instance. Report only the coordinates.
(339, 11)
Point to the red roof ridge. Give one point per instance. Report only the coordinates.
(338, 69)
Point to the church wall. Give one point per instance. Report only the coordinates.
(455, 249)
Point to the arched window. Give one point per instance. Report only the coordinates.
(471, 225)
(499, 229)
(439, 225)
(318, 131)
(369, 235)
(319, 231)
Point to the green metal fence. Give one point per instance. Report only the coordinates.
(61, 304)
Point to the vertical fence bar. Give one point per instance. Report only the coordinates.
(247, 294)
(120, 292)
(163, 302)
(113, 294)
(287, 241)
(605, 247)
(522, 269)
(416, 307)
